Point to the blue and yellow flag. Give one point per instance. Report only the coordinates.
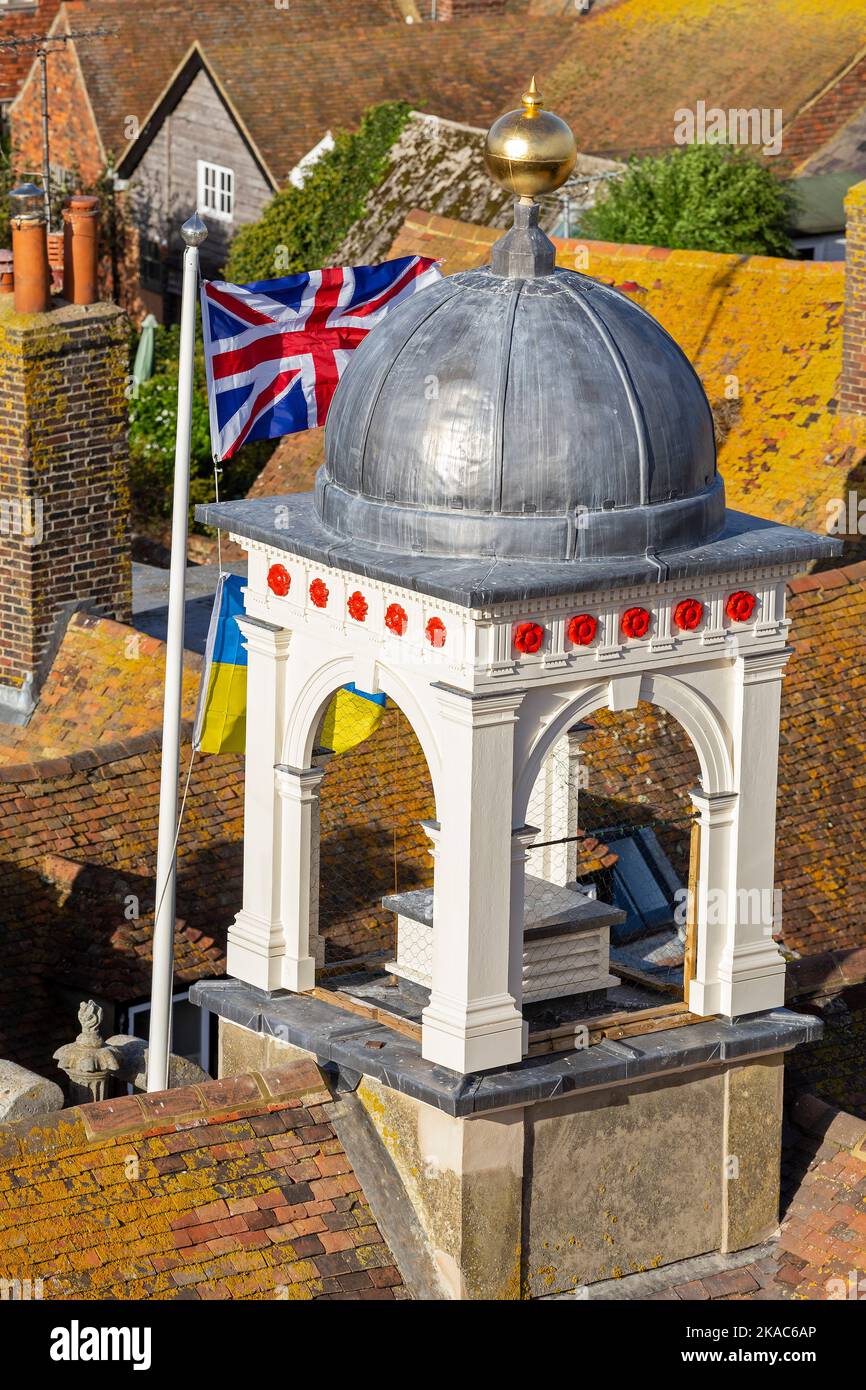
(351, 717)
(221, 716)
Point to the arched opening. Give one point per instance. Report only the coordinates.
(373, 797)
(615, 821)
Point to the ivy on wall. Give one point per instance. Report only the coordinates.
(302, 227)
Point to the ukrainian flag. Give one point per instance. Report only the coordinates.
(221, 716)
(351, 717)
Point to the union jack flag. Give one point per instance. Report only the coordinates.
(275, 349)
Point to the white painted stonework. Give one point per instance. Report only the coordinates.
(487, 717)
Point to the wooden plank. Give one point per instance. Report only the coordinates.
(609, 1020)
(368, 1011)
(690, 957)
(639, 977)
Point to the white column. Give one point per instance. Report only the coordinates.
(255, 940)
(473, 1020)
(740, 968)
(298, 790)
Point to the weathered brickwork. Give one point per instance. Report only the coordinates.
(75, 141)
(64, 499)
(234, 1189)
(467, 9)
(852, 383)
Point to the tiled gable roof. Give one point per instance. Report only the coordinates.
(234, 1189)
(466, 70)
(629, 70)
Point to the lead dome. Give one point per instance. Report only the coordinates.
(523, 412)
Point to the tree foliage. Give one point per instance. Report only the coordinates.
(152, 425)
(704, 197)
(302, 227)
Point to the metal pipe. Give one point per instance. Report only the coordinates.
(159, 1044)
(42, 55)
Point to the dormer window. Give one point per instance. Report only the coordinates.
(216, 190)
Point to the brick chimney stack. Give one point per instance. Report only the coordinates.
(64, 501)
(852, 383)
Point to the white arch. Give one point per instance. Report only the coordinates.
(691, 710)
(309, 703)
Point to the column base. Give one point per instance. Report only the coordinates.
(255, 952)
(486, 1033)
(751, 983)
(299, 975)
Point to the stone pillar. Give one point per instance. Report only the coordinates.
(740, 969)
(256, 945)
(521, 852)
(298, 790)
(473, 1020)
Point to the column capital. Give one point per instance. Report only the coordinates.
(298, 783)
(265, 639)
(522, 839)
(757, 667)
(715, 808)
(475, 709)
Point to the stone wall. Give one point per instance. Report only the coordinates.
(64, 499)
(852, 382)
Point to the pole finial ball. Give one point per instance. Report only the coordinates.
(194, 231)
(530, 151)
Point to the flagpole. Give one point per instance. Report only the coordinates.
(194, 233)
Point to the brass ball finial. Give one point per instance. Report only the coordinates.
(530, 151)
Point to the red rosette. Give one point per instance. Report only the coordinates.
(357, 606)
(582, 629)
(688, 614)
(319, 593)
(528, 638)
(740, 606)
(279, 580)
(435, 632)
(395, 619)
(635, 622)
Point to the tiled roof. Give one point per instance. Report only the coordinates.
(234, 1189)
(766, 328)
(630, 69)
(104, 685)
(467, 70)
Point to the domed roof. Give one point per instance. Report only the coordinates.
(547, 418)
(520, 411)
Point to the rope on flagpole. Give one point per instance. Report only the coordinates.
(177, 827)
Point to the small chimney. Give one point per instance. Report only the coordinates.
(81, 249)
(30, 250)
(852, 383)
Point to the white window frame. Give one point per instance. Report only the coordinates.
(216, 190)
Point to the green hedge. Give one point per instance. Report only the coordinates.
(703, 197)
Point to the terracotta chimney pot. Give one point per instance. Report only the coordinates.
(30, 262)
(81, 249)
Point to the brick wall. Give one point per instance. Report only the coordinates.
(852, 382)
(64, 502)
(75, 144)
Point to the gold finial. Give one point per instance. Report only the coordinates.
(530, 151)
